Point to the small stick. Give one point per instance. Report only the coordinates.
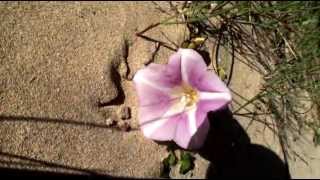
(157, 41)
(153, 55)
(151, 39)
(232, 61)
(163, 34)
(148, 28)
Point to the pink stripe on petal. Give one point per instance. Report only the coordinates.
(165, 76)
(162, 129)
(200, 117)
(153, 102)
(154, 84)
(175, 62)
(192, 66)
(183, 134)
(194, 71)
(185, 129)
(209, 82)
(211, 105)
(150, 113)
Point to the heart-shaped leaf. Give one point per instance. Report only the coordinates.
(186, 162)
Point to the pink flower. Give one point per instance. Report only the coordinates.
(175, 99)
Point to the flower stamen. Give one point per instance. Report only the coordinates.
(190, 95)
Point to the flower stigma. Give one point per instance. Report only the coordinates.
(189, 96)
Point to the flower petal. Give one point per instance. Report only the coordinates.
(209, 82)
(163, 116)
(158, 113)
(213, 101)
(192, 66)
(159, 123)
(153, 102)
(187, 132)
(199, 138)
(183, 134)
(175, 63)
(161, 76)
(194, 72)
(154, 84)
(162, 129)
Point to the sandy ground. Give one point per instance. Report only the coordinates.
(56, 61)
(64, 73)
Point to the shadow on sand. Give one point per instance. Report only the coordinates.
(231, 153)
(227, 147)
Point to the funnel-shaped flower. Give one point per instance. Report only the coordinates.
(175, 99)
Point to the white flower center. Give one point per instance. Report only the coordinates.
(186, 98)
(189, 96)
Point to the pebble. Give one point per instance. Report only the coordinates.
(110, 122)
(124, 126)
(125, 113)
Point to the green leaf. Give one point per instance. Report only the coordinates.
(169, 161)
(172, 159)
(186, 162)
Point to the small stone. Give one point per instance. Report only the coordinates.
(125, 113)
(32, 79)
(124, 126)
(123, 69)
(110, 122)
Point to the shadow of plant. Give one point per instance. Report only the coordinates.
(231, 153)
(25, 171)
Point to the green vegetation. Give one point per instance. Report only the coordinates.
(278, 39)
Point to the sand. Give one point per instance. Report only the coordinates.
(65, 72)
